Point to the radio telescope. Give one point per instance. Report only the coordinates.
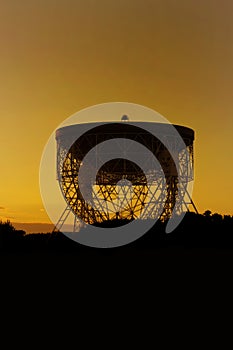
(158, 192)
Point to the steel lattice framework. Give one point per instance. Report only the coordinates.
(119, 179)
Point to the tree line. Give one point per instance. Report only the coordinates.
(207, 230)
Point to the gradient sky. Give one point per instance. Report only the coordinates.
(57, 57)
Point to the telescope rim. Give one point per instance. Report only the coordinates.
(70, 130)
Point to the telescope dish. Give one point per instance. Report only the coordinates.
(154, 188)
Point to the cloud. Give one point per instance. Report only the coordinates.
(35, 227)
(2, 208)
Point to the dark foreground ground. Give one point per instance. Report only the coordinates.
(197, 235)
(45, 276)
(197, 256)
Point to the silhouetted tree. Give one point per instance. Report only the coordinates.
(9, 236)
(207, 213)
(216, 218)
(6, 227)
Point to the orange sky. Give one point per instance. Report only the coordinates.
(57, 57)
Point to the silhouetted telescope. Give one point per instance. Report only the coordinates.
(146, 191)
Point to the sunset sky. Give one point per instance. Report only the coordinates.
(60, 56)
